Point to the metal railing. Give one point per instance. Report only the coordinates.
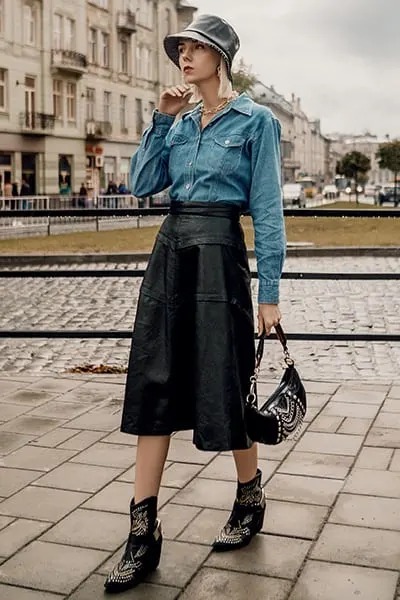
(98, 129)
(36, 122)
(106, 273)
(20, 213)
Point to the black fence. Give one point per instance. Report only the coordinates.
(129, 273)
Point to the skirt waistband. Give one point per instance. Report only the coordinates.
(227, 210)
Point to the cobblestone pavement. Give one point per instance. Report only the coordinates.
(307, 306)
(332, 527)
(34, 226)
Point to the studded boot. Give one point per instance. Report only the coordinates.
(246, 518)
(143, 548)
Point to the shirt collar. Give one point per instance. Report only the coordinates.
(242, 104)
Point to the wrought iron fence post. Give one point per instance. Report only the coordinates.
(97, 216)
(48, 225)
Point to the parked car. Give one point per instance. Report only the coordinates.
(293, 195)
(386, 194)
(371, 190)
(330, 191)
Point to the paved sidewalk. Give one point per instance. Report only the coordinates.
(332, 528)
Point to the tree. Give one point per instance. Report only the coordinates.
(388, 156)
(243, 78)
(354, 165)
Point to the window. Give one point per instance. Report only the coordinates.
(105, 51)
(57, 99)
(93, 45)
(122, 113)
(57, 29)
(144, 59)
(29, 24)
(69, 34)
(129, 5)
(124, 55)
(152, 107)
(107, 106)
(150, 9)
(146, 63)
(168, 21)
(102, 3)
(71, 102)
(145, 13)
(139, 116)
(3, 89)
(109, 169)
(138, 60)
(90, 103)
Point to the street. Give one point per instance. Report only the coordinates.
(38, 226)
(307, 306)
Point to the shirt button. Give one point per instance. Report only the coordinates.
(227, 142)
(187, 186)
(190, 163)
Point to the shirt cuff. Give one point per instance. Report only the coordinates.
(162, 122)
(268, 292)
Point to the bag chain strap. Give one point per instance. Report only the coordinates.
(252, 396)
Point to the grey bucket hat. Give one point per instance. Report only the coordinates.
(210, 30)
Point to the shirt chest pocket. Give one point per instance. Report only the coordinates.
(179, 148)
(226, 152)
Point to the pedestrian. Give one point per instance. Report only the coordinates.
(8, 189)
(14, 203)
(122, 189)
(82, 195)
(112, 189)
(24, 191)
(7, 194)
(192, 350)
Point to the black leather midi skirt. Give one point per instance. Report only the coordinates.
(192, 350)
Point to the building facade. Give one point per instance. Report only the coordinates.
(367, 144)
(78, 83)
(284, 112)
(305, 150)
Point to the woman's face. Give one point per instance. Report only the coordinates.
(198, 62)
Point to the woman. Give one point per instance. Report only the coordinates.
(193, 342)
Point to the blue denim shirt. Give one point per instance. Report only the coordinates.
(235, 158)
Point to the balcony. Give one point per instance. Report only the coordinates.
(35, 123)
(98, 130)
(291, 163)
(126, 22)
(69, 61)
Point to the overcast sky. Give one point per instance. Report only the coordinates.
(342, 57)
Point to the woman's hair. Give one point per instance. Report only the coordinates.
(225, 86)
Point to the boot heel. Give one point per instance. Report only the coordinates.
(258, 525)
(154, 559)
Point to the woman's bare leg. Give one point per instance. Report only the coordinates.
(246, 463)
(152, 451)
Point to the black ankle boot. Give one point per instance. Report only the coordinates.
(246, 518)
(143, 548)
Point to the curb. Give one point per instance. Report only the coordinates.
(297, 252)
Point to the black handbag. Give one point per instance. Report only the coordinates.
(281, 416)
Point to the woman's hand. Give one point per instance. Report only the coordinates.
(174, 99)
(269, 315)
